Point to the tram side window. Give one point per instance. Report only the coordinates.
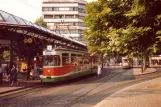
(86, 60)
(159, 62)
(125, 60)
(73, 58)
(154, 62)
(65, 58)
(80, 59)
(57, 60)
(52, 60)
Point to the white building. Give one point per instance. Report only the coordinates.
(65, 17)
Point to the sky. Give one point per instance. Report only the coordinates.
(26, 9)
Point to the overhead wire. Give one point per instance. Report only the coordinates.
(29, 5)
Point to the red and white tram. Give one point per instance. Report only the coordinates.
(64, 64)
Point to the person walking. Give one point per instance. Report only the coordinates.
(99, 71)
(14, 73)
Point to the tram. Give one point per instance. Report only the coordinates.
(127, 62)
(155, 61)
(63, 64)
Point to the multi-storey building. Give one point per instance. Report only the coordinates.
(65, 17)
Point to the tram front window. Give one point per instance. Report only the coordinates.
(51, 60)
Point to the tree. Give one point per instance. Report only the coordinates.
(142, 29)
(129, 27)
(96, 33)
(103, 17)
(40, 21)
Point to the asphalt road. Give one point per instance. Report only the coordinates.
(82, 92)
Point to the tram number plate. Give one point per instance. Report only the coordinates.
(48, 77)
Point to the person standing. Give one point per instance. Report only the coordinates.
(36, 72)
(14, 73)
(99, 71)
(29, 71)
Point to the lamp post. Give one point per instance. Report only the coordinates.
(28, 42)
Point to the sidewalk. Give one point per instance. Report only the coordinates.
(145, 94)
(138, 72)
(5, 87)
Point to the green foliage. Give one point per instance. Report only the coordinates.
(40, 21)
(6, 55)
(125, 27)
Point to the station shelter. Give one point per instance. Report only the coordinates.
(21, 41)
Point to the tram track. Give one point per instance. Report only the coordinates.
(93, 91)
(20, 92)
(7, 95)
(104, 80)
(24, 92)
(112, 89)
(109, 84)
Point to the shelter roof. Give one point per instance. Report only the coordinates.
(9, 21)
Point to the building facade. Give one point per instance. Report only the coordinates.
(65, 17)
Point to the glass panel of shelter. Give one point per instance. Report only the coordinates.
(4, 15)
(19, 20)
(1, 19)
(11, 19)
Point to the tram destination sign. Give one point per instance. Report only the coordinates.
(49, 47)
(48, 52)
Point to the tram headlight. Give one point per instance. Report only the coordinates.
(48, 71)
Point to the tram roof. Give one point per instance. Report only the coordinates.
(9, 20)
(64, 49)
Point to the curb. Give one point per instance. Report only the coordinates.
(147, 73)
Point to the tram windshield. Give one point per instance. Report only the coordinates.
(125, 61)
(51, 60)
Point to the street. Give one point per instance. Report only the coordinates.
(83, 92)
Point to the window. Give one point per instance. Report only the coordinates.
(73, 58)
(48, 16)
(51, 60)
(70, 9)
(75, 9)
(55, 8)
(80, 59)
(57, 16)
(65, 58)
(81, 10)
(50, 9)
(76, 16)
(63, 9)
(45, 9)
(69, 16)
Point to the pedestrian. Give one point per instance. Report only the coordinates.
(1, 74)
(99, 71)
(14, 73)
(32, 73)
(29, 71)
(36, 72)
